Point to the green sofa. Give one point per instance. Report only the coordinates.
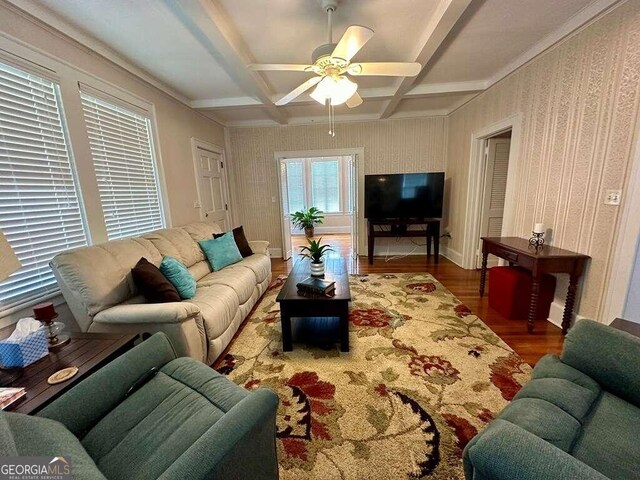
(578, 418)
(185, 422)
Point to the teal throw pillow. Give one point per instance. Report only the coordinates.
(221, 251)
(179, 276)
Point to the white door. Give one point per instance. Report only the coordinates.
(352, 162)
(287, 248)
(212, 183)
(495, 187)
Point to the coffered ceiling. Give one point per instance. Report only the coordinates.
(198, 50)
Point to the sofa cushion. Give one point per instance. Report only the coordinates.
(200, 269)
(202, 230)
(221, 251)
(152, 283)
(259, 264)
(544, 420)
(241, 280)
(570, 397)
(609, 440)
(34, 436)
(218, 305)
(550, 366)
(179, 276)
(144, 435)
(7, 445)
(176, 243)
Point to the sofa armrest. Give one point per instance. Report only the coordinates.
(84, 405)
(180, 321)
(609, 356)
(241, 445)
(260, 246)
(505, 451)
(171, 312)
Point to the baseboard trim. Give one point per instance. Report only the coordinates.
(556, 311)
(453, 255)
(275, 252)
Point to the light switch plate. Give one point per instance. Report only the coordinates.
(612, 197)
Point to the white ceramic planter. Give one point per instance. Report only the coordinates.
(317, 269)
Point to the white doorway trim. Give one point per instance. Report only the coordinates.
(477, 166)
(624, 253)
(357, 183)
(211, 147)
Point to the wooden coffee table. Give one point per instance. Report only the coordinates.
(87, 351)
(318, 309)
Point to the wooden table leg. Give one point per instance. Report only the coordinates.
(569, 303)
(344, 328)
(483, 273)
(285, 322)
(371, 244)
(533, 305)
(436, 241)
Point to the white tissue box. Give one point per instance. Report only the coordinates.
(24, 351)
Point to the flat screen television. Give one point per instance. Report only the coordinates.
(404, 195)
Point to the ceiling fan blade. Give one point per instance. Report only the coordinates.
(393, 69)
(284, 67)
(353, 40)
(298, 91)
(354, 101)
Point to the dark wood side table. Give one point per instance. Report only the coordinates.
(316, 306)
(431, 233)
(546, 260)
(87, 351)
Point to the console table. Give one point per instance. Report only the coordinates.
(431, 233)
(546, 260)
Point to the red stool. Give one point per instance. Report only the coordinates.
(510, 293)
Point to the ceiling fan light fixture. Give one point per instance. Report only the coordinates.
(336, 90)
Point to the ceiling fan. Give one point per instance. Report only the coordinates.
(332, 66)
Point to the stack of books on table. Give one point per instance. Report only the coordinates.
(316, 286)
(10, 395)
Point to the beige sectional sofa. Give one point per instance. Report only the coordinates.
(96, 283)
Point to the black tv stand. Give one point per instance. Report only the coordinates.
(399, 227)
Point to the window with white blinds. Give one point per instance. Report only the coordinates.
(125, 168)
(295, 184)
(325, 185)
(40, 211)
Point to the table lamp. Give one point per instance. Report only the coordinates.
(9, 263)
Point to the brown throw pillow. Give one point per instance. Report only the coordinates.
(153, 284)
(240, 239)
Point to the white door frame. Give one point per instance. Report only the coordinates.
(212, 147)
(358, 182)
(623, 256)
(477, 167)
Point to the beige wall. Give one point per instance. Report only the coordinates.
(390, 146)
(579, 105)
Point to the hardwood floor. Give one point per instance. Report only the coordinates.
(464, 284)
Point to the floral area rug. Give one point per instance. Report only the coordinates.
(423, 376)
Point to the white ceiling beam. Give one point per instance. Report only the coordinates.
(380, 93)
(210, 26)
(442, 22)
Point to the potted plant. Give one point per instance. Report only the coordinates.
(306, 219)
(314, 252)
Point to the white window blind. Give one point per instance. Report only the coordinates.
(39, 208)
(125, 168)
(295, 184)
(325, 185)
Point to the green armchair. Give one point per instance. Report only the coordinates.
(185, 421)
(579, 417)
